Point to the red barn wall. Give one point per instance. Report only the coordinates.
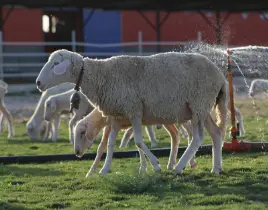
(23, 25)
(184, 26)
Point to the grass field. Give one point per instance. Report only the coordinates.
(61, 185)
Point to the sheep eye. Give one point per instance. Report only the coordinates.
(56, 63)
(47, 105)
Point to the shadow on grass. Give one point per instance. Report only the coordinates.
(27, 141)
(236, 185)
(27, 171)
(10, 206)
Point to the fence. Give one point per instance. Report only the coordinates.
(25, 59)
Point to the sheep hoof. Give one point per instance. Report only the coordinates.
(217, 171)
(89, 174)
(104, 171)
(10, 136)
(142, 170)
(178, 171)
(193, 165)
(170, 166)
(157, 168)
(154, 145)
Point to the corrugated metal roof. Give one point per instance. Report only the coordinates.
(167, 5)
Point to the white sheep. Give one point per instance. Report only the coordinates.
(4, 112)
(165, 88)
(88, 128)
(37, 121)
(258, 86)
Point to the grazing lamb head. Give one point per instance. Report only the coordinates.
(33, 130)
(83, 138)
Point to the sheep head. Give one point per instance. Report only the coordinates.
(60, 68)
(33, 130)
(84, 136)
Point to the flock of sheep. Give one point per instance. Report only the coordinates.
(127, 92)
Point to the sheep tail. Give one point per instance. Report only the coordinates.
(222, 109)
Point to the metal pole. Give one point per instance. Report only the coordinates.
(73, 41)
(218, 27)
(140, 42)
(1, 44)
(158, 30)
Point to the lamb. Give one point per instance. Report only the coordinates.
(88, 128)
(258, 86)
(37, 122)
(165, 88)
(58, 103)
(4, 112)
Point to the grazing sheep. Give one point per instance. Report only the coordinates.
(88, 128)
(165, 88)
(33, 125)
(4, 112)
(258, 86)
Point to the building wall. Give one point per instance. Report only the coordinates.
(23, 25)
(103, 27)
(238, 29)
(116, 26)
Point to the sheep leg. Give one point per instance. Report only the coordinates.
(126, 137)
(143, 162)
(198, 136)
(2, 122)
(48, 129)
(137, 128)
(115, 127)
(183, 132)
(150, 132)
(188, 127)
(7, 114)
(215, 133)
(240, 120)
(56, 127)
(175, 140)
(71, 128)
(100, 151)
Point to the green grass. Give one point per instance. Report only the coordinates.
(61, 185)
(244, 185)
(255, 123)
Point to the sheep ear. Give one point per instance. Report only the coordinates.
(62, 67)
